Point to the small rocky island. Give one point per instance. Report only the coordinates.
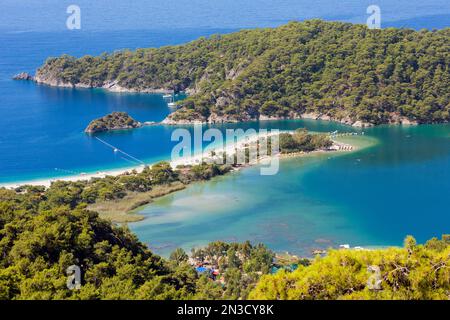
(112, 121)
(23, 76)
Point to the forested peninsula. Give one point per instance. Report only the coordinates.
(312, 69)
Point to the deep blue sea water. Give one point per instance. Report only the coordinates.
(107, 15)
(400, 186)
(43, 126)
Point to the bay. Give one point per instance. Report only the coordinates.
(372, 197)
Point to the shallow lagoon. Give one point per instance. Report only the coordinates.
(372, 197)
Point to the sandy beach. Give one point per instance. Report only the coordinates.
(191, 160)
(188, 160)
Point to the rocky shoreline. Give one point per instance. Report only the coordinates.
(215, 119)
(23, 76)
(109, 86)
(113, 86)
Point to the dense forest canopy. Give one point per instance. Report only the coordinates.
(44, 231)
(334, 70)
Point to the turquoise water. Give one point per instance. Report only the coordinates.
(372, 197)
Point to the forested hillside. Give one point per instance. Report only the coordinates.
(414, 272)
(44, 231)
(328, 70)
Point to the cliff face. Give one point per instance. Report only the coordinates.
(113, 121)
(314, 69)
(53, 80)
(51, 77)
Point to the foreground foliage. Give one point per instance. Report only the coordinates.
(43, 232)
(409, 273)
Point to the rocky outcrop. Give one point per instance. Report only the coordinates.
(113, 121)
(230, 118)
(345, 120)
(170, 121)
(23, 76)
(263, 117)
(51, 76)
(50, 79)
(113, 86)
(399, 119)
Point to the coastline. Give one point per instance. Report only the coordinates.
(191, 160)
(194, 159)
(114, 87)
(125, 210)
(214, 119)
(109, 86)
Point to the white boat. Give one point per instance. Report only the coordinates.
(166, 96)
(172, 104)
